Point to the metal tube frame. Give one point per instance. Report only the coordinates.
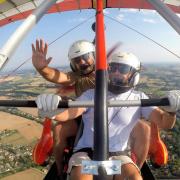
(167, 14)
(16, 38)
(74, 104)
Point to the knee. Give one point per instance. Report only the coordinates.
(143, 130)
(135, 177)
(146, 131)
(129, 176)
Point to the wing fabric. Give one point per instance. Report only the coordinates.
(20, 9)
(13, 10)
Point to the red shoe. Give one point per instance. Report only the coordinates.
(157, 150)
(43, 148)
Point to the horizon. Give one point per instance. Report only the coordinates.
(67, 67)
(50, 28)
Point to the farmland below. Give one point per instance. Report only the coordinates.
(17, 138)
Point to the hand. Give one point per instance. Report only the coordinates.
(174, 100)
(39, 55)
(47, 105)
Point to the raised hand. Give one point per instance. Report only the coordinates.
(39, 53)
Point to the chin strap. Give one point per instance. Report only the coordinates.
(72, 68)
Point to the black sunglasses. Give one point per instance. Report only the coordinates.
(85, 57)
(121, 68)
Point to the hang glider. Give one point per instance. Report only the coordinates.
(13, 10)
(24, 8)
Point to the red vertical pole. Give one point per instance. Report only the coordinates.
(101, 144)
(101, 63)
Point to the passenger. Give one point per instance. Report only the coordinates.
(82, 77)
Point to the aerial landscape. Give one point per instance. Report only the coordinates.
(20, 128)
(44, 31)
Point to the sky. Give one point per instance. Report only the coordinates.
(53, 26)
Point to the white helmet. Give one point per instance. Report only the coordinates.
(126, 58)
(80, 48)
(130, 64)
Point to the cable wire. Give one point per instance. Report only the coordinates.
(62, 35)
(113, 19)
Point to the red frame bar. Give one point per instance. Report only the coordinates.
(101, 62)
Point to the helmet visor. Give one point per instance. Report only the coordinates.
(84, 57)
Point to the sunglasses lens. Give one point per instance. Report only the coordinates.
(121, 68)
(85, 56)
(124, 69)
(77, 59)
(113, 69)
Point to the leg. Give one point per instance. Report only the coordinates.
(140, 140)
(130, 172)
(76, 174)
(61, 132)
(75, 165)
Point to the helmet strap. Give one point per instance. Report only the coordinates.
(132, 78)
(72, 68)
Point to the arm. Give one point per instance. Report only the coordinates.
(55, 76)
(69, 114)
(163, 119)
(40, 62)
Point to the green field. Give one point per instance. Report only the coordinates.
(155, 81)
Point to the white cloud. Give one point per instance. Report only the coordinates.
(143, 11)
(120, 17)
(130, 10)
(148, 12)
(152, 21)
(152, 15)
(76, 20)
